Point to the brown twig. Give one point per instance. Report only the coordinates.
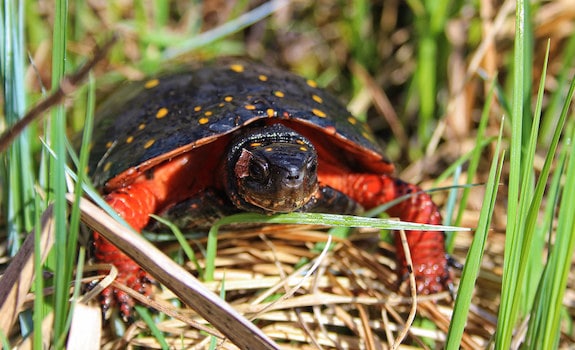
(68, 85)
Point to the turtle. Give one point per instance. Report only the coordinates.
(241, 136)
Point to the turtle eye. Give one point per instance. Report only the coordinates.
(258, 170)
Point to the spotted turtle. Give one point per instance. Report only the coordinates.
(241, 136)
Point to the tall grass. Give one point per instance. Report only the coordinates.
(523, 253)
(17, 181)
(540, 233)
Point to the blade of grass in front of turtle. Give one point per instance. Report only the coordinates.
(19, 197)
(475, 254)
(149, 321)
(182, 241)
(510, 293)
(311, 219)
(531, 199)
(57, 180)
(74, 225)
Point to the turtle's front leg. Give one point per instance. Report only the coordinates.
(134, 203)
(430, 263)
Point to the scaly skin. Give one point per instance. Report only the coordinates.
(133, 203)
(427, 247)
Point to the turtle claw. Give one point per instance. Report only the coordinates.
(137, 280)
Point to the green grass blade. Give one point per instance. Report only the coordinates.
(475, 254)
(182, 241)
(16, 177)
(157, 333)
(57, 130)
(510, 296)
(557, 272)
(333, 220)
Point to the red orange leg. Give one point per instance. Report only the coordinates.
(134, 203)
(427, 247)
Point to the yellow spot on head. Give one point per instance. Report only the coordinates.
(197, 108)
(317, 99)
(263, 77)
(151, 83)
(203, 121)
(130, 139)
(162, 112)
(312, 83)
(318, 113)
(141, 126)
(109, 144)
(279, 94)
(107, 166)
(228, 98)
(250, 107)
(352, 120)
(238, 68)
(149, 143)
(270, 112)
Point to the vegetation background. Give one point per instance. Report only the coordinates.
(459, 92)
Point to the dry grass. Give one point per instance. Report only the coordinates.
(350, 299)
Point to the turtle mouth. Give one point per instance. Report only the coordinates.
(286, 202)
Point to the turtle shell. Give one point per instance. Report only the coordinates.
(146, 123)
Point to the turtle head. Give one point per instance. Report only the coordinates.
(271, 169)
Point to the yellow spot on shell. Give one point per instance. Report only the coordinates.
(208, 113)
(352, 120)
(268, 149)
(109, 144)
(300, 142)
(270, 112)
(255, 144)
(279, 94)
(228, 98)
(250, 107)
(141, 126)
(130, 139)
(263, 77)
(311, 83)
(149, 143)
(151, 83)
(238, 68)
(162, 112)
(302, 148)
(203, 121)
(318, 113)
(317, 99)
(107, 166)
